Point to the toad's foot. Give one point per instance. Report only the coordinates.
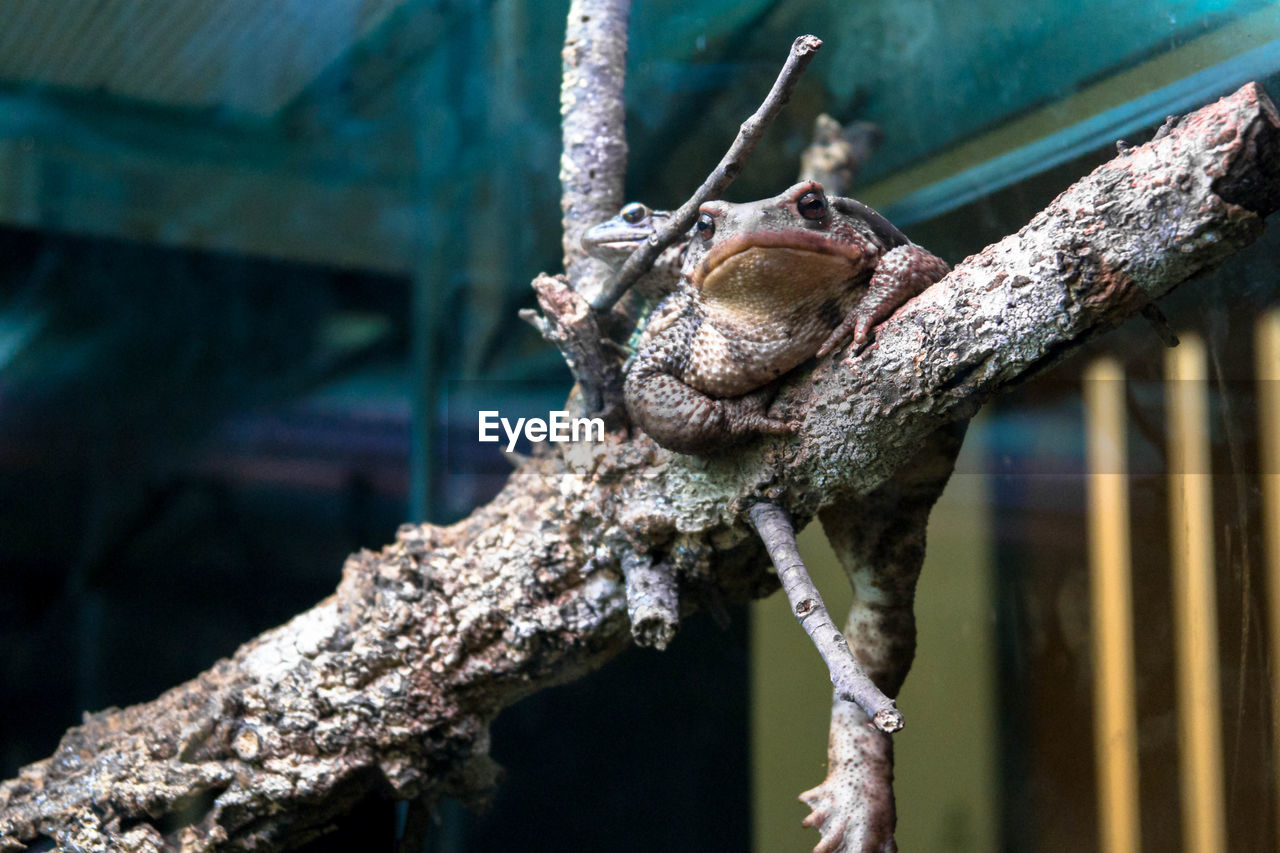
(901, 274)
(853, 807)
(749, 414)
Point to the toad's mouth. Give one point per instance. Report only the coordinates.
(620, 245)
(785, 256)
(614, 237)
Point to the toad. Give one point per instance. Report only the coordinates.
(614, 240)
(765, 286)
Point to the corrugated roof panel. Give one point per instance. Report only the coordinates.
(243, 55)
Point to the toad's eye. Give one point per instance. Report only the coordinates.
(705, 226)
(812, 205)
(634, 213)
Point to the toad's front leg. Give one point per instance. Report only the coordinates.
(902, 273)
(684, 419)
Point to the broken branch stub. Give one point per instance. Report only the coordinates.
(569, 324)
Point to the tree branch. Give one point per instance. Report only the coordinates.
(838, 153)
(593, 167)
(653, 600)
(593, 164)
(847, 676)
(389, 685)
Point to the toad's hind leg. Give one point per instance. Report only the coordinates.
(879, 539)
(684, 419)
(901, 274)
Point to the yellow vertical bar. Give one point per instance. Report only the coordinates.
(1114, 718)
(1268, 368)
(1194, 598)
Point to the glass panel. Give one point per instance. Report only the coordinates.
(262, 264)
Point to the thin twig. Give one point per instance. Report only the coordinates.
(729, 167)
(847, 675)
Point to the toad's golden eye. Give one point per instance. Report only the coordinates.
(812, 205)
(705, 226)
(634, 213)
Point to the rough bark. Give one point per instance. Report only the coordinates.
(388, 686)
(838, 152)
(568, 323)
(594, 159)
(593, 166)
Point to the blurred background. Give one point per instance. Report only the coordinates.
(258, 261)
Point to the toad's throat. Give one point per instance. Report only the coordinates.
(775, 262)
